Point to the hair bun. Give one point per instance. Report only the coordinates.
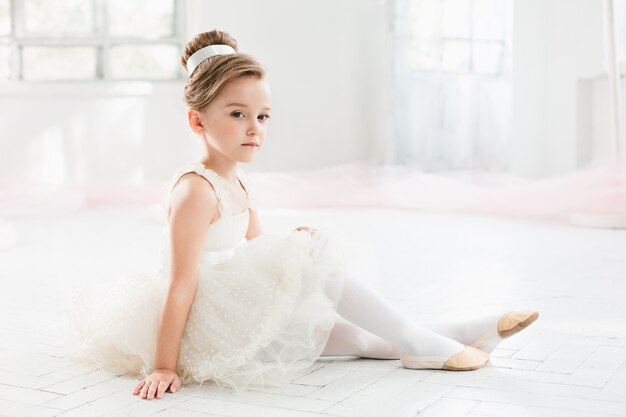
(214, 37)
(214, 73)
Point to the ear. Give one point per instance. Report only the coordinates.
(195, 122)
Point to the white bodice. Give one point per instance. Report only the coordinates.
(229, 231)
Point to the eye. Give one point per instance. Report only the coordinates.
(236, 114)
(265, 116)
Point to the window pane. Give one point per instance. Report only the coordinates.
(425, 18)
(55, 17)
(5, 17)
(5, 62)
(456, 56)
(425, 26)
(59, 63)
(487, 57)
(457, 18)
(151, 19)
(425, 54)
(489, 18)
(144, 61)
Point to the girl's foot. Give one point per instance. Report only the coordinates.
(482, 331)
(508, 325)
(468, 359)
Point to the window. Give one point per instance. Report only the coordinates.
(453, 70)
(459, 36)
(74, 40)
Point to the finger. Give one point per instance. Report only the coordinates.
(175, 385)
(152, 389)
(144, 390)
(138, 387)
(161, 389)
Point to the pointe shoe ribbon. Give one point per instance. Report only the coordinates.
(509, 324)
(468, 359)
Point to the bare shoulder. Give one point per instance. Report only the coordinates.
(193, 196)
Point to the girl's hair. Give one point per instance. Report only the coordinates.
(214, 73)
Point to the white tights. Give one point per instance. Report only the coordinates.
(379, 330)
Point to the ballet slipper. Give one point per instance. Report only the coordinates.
(509, 324)
(467, 360)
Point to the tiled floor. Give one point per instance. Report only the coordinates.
(571, 362)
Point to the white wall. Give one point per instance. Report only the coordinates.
(64, 133)
(326, 65)
(555, 43)
(595, 136)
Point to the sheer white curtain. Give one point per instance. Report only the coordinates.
(453, 62)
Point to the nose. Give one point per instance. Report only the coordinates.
(255, 128)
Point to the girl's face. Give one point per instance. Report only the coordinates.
(235, 122)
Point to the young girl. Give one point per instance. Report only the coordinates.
(234, 306)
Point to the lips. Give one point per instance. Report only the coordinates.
(250, 144)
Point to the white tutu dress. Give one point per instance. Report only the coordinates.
(263, 308)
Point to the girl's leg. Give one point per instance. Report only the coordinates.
(366, 308)
(469, 330)
(346, 339)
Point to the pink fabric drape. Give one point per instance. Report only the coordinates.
(595, 189)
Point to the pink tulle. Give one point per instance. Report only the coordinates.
(594, 189)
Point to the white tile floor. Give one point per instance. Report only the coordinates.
(571, 362)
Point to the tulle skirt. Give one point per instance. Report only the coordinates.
(257, 318)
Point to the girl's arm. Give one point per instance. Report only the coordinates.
(254, 226)
(193, 205)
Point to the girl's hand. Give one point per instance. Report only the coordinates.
(157, 383)
(306, 229)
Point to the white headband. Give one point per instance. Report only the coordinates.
(208, 51)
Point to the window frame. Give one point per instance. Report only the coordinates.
(102, 41)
